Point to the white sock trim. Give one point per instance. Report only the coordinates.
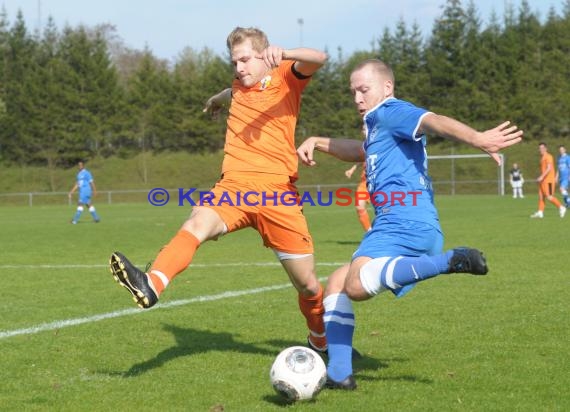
(338, 302)
(370, 275)
(161, 276)
(390, 274)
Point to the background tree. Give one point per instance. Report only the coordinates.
(19, 83)
(81, 93)
(197, 76)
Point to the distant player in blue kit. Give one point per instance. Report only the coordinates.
(563, 174)
(85, 185)
(405, 243)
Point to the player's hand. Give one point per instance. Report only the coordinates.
(306, 150)
(498, 138)
(213, 107)
(217, 102)
(272, 56)
(349, 172)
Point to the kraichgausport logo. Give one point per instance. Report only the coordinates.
(340, 197)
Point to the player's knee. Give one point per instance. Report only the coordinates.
(353, 285)
(354, 290)
(309, 286)
(366, 282)
(205, 224)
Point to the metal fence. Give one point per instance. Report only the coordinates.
(449, 187)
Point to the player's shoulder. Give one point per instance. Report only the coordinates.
(396, 112)
(394, 105)
(395, 102)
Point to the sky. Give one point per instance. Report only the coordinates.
(166, 27)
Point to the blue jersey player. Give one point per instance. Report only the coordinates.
(563, 174)
(405, 243)
(86, 188)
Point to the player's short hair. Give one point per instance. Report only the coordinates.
(238, 35)
(542, 144)
(379, 66)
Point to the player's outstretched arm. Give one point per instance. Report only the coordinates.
(348, 150)
(490, 141)
(217, 102)
(307, 60)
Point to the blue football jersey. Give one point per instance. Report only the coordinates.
(396, 163)
(563, 167)
(84, 180)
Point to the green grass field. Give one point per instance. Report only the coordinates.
(72, 340)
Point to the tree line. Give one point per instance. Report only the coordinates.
(79, 92)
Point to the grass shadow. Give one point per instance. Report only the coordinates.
(191, 342)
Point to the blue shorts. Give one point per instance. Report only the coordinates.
(401, 238)
(85, 198)
(564, 184)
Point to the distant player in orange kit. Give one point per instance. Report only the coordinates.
(360, 204)
(547, 183)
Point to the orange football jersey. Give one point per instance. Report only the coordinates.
(261, 124)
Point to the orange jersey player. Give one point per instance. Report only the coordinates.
(547, 183)
(258, 170)
(360, 204)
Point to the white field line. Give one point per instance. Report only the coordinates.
(127, 312)
(199, 265)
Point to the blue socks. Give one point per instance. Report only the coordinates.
(79, 211)
(77, 214)
(402, 271)
(397, 274)
(339, 327)
(94, 214)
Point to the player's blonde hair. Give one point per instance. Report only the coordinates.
(238, 35)
(382, 68)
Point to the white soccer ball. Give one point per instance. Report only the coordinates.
(298, 373)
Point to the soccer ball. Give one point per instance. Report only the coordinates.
(298, 373)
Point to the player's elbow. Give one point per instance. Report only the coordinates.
(322, 57)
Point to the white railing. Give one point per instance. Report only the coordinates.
(450, 187)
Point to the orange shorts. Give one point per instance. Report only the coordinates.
(547, 188)
(269, 204)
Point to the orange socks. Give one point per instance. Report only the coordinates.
(313, 310)
(555, 202)
(173, 259)
(364, 219)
